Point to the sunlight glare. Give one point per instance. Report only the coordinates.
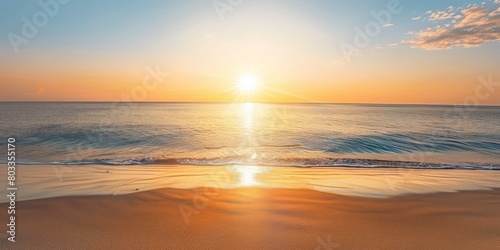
(248, 83)
(248, 175)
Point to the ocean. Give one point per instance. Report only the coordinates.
(300, 135)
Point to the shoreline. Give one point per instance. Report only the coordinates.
(257, 218)
(45, 181)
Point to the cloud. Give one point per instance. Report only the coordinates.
(418, 17)
(443, 15)
(470, 26)
(388, 25)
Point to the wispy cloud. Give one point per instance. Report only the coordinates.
(444, 14)
(469, 26)
(388, 25)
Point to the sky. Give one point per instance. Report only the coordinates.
(428, 52)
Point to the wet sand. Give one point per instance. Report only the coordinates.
(45, 181)
(258, 218)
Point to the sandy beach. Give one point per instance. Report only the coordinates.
(257, 218)
(242, 125)
(254, 207)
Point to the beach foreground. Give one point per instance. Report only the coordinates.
(259, 218)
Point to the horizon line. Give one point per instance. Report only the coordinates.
(215, 102)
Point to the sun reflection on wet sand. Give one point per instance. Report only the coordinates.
(99, 180)
(248, 175)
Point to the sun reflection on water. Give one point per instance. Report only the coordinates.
(248, 115)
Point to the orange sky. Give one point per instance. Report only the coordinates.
(293, 50)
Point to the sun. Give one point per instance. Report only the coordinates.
(248, 83)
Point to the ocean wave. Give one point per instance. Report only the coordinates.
(262, 146)
(414, 142)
